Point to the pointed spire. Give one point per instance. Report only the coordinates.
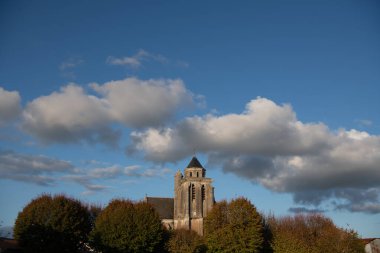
(179, 173)
(194, 163)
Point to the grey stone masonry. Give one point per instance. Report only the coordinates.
(193, 197)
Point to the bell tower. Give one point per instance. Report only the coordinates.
(193, 197)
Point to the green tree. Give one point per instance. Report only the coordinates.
(234, 227)
(124, 226)
(53, 224)
(185, 241)
(313, 233)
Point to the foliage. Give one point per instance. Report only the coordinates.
(234, 227)
(52, 224)
(312, 233)
(186, 241)
(124, 226)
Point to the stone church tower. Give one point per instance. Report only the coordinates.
(193, 197)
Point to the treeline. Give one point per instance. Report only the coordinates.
(61, 224)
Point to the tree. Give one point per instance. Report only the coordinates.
(312, 233)
(124, 226)
(53, 224)
(234, 227)
(185, 241)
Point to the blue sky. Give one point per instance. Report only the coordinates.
(278, 99)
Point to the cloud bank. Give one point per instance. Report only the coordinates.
(265, 144)
(31, 168)
(46, 171)
(94, 179)
(268, 145)
(74, 115)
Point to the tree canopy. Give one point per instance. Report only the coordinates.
(312, 233)
(185, 241)
(52, 224)
(234, 227)
(61, 224)
(124, 226)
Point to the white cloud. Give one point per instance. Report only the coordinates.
(143, 57)
(10, 107)
(69, 115)
(140, 103)
(129, 61)
(354, 134)
(136, 60)
(264, 128)
(267, 144)
(72, 115)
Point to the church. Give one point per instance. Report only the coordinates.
(193, 199)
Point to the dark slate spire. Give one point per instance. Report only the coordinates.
(194, 163)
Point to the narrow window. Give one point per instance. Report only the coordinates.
(191, 174)
(203, 193)
(197, 174)
(192, 192)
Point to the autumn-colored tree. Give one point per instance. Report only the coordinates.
(53, 224)
(124, 226)
(185, 241)
(234, 227)
(313, 233)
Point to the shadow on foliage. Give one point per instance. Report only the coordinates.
(38, 238)
(268, 235)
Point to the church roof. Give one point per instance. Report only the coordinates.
(194, 163)
(163, 206)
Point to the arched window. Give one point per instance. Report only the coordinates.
(191, 174)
